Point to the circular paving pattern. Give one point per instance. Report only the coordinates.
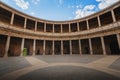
(67, 73)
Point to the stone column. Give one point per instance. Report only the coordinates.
(22, 46)
(45, 27)
(103, 45)
(80, 50)
(113, 16)
(25, 23)
(90, 44)
(61, 47)
(53, 28)
(44, 47)
(70, 47)
(61, 28)
(7, 46)
(78, 26)
(53, 48)
(118, 39)
(99, 23)
(69, 28)
(34, 46)
(35, 26)
(87, 25)
(12, 19)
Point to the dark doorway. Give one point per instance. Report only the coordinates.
(111, 44)
(3, 40)
(66, 47)
(29, 46)
(114, 48)
(85, 46)
(58, 47)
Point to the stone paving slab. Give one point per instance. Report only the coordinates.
(70, 58)
(52, 65)
(115, 65)
(67, 73)
(11, 64)
(34, 61)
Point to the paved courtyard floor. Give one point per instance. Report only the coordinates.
(61, 67)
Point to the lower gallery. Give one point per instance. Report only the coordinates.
(36, 49)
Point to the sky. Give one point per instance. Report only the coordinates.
(59, 10)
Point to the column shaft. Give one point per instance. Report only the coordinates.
(61, 28)
(77, 26)
(45, 27)
(34, 46)
(118, 39)
(53, 47)
(35, 26)
(61, 47)
(90, 44)
(7, 46)
(103, 45)
(80, 50)
(22, 46)
(25, 23)
(87, 25)
(99, 23)
(69, 28)
(12, 19)
(44, 47)
(113, 16)
(53, 28)
(70, 47)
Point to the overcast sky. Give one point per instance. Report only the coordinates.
(59, 9)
